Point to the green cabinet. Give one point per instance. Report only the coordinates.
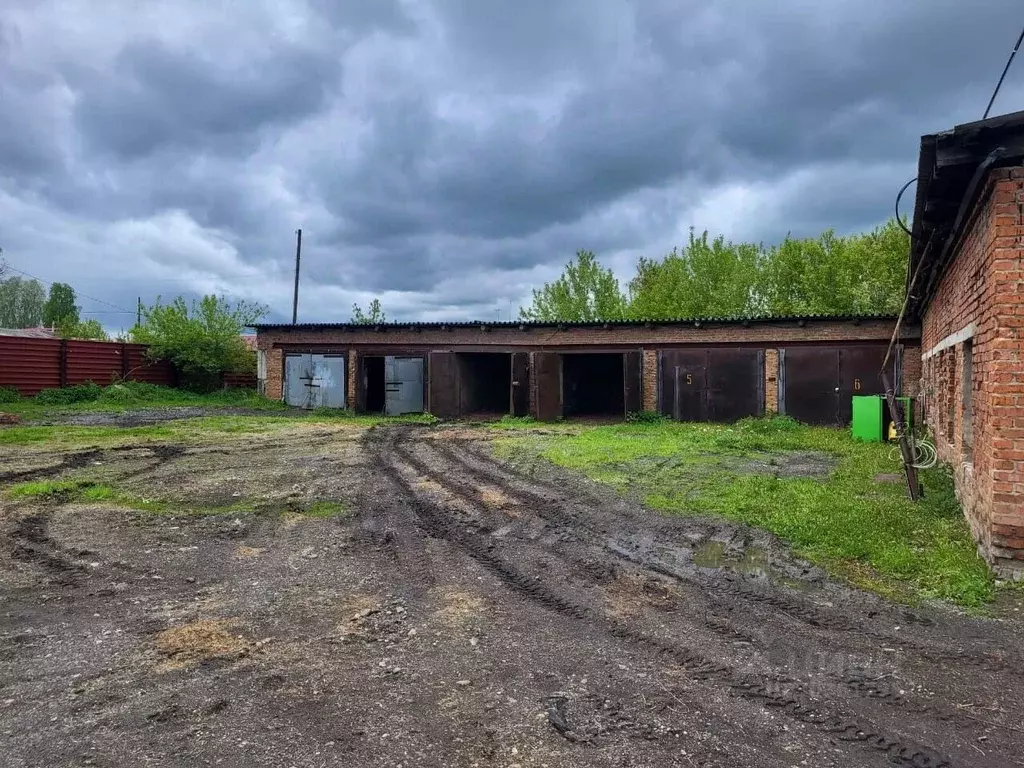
(871, 417)
(867, 418)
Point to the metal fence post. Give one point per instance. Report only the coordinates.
(63, 357)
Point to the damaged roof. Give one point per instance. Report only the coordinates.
(952, 169)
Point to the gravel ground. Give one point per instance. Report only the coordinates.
(461, 613)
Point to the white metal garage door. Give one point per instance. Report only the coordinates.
(313, 380)
(403, 385)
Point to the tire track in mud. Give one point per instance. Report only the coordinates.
(397, 531)
(33, 544)
(814, 616)
(75, 460)
(759, 688)
(857, 681)
(468, 495)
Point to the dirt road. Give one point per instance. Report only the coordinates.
(463, 614)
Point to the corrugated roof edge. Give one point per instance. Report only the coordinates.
(579, 324)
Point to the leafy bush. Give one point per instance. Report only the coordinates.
(80, 393)
(646, 417)
(9, 395)
(203, 340)
(117, 393)
(138, 392)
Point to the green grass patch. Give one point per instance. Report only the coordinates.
(81, 490)
(66, 436)
(863, 530)
(196, 430)
(53, 489)
(324, 509)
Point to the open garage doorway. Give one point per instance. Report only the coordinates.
(373, 377)
(592, 384)
(485, 384)
(389, 384)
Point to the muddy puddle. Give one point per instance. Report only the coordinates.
(753, 562)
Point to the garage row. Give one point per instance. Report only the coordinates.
(812, 383)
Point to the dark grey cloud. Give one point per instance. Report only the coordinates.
(157, 98)
(448, 155)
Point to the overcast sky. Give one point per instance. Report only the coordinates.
(448, 155)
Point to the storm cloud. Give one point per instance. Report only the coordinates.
(449, 155)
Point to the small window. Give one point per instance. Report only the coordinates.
(966, 398)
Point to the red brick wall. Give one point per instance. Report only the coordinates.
(983, 292)
(650, 380)
(771, 381)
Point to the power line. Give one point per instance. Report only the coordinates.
(898, 196)
(84, 296)
(1002, 77)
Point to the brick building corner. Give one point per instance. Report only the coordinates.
(968, 257)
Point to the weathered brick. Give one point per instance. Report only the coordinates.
(650, 382)
(983, 285)
(771, 380)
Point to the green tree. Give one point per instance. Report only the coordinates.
(60, 308)
(856, 274)
(374, 314)
(586, 291)
(882, 255)
(21, 303)
(82, 329)
(202, 341)
(706, 278)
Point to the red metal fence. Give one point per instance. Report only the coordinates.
(30, 365)
(240, 380)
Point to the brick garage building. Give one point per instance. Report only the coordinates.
(703, 370)
(968, 291)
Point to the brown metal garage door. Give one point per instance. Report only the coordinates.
(633, 381)
(817, 384)
(712, 384)
(443, 388)
(546, 381)
(859, 374)
(520, 384)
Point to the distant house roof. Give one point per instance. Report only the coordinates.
(952, 169)
(29, 333)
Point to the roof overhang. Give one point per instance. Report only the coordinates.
(953, 167)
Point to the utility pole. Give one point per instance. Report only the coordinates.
(298, 256)
(138, 312)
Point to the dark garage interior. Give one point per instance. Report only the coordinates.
(486, 383)
(373, 371)
(592, 384)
